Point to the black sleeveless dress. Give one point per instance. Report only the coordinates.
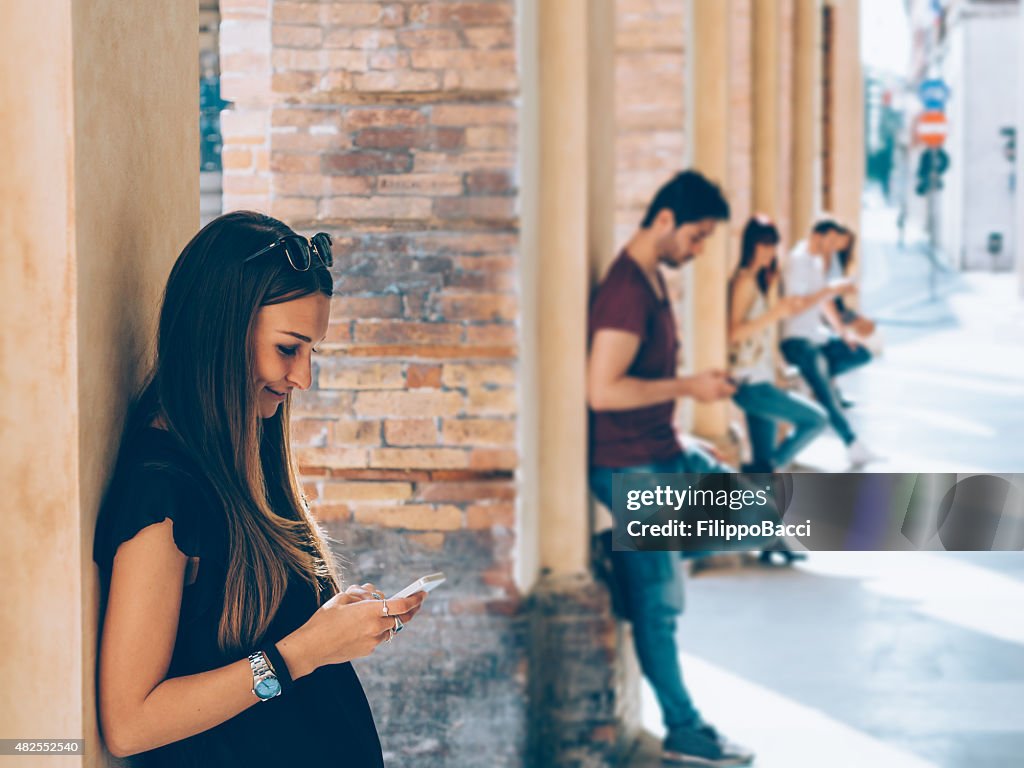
(324, 720)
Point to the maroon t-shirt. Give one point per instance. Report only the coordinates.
(626, 301)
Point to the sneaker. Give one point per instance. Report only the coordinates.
(704, 747)
(859, 454)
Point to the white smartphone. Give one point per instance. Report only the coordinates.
(425, 584)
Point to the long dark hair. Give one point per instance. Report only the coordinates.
(760, 230)
(203, 387)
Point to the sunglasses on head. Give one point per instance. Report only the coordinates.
(300, 250)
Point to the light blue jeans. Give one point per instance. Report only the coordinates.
(765, 404)
(653, 583)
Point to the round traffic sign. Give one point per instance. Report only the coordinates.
(932, 128)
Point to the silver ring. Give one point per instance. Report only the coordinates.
(399, 626)
(377, 595)
(391, 636)
(385, 609)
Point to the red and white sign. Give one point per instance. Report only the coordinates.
(932, 128)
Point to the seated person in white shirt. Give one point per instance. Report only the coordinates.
(806, 343)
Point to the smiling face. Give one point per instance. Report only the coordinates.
(283, 340)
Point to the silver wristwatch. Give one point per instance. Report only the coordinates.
(265, 684)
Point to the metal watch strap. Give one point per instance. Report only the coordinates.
(261, 670)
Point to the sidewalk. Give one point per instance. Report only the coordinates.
(947, 395)
(891, 660)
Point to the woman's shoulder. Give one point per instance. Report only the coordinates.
(154, 479)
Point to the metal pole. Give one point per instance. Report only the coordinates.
(932, 238)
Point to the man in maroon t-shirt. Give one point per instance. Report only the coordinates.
(632, 387)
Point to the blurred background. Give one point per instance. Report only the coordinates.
(478, 164)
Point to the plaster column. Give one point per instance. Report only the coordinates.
(806, 116)
(767, 77)
(711, 134)
(848, 114)
(562, 270)
(100, 192)
(1019, 244)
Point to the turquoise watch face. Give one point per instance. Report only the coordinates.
(268, 688)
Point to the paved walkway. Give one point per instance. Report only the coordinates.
(885, 660)
(947, 394)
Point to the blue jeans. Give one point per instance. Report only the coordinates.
(765, 404)
(818, 363)
(653, 583)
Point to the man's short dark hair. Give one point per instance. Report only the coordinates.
(691, 197)
(827, 224)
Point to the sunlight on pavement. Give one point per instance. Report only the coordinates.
(937, 586)
(783, 732)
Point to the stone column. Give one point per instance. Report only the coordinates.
(1019, 239)
(711, 156)
(848, 114)
(806, 140)
(99, 194)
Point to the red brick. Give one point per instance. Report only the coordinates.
(351, 432)
(488, 402)
(466, 491)
(292, 209)
(469, 160)
(490, 37)
(472, 306)
(367, 162)
(408, 403)
(366, 117)
(419, 458)
(332, 405)
(292, 82)
(429, 38)
(478, 432)
(416, 517)
(489, 182)
(328, 512)
(488, 458)
(362, 307)
(373, 39)
(290, 36)
(296, 13)
(490, 516)
(420, 376)
(366, 491)
(410, 432)
(245, 184)
(401, 138)
(396, 332)
(473, 114)
(245, 61)
(331, 457)
(476, 208)
(310, 432)
(461, 13)
(290, 162)
(491, 137)
(352, 14)
(396, 81)
(420, 184)
(391, 207)
(344, 373)
(464, 60)
(478, 375)
(481, 79)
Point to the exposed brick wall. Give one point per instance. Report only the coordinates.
(393, 126)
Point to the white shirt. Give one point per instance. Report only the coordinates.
(803, 275)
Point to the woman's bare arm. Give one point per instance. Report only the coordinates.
(139, 708)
